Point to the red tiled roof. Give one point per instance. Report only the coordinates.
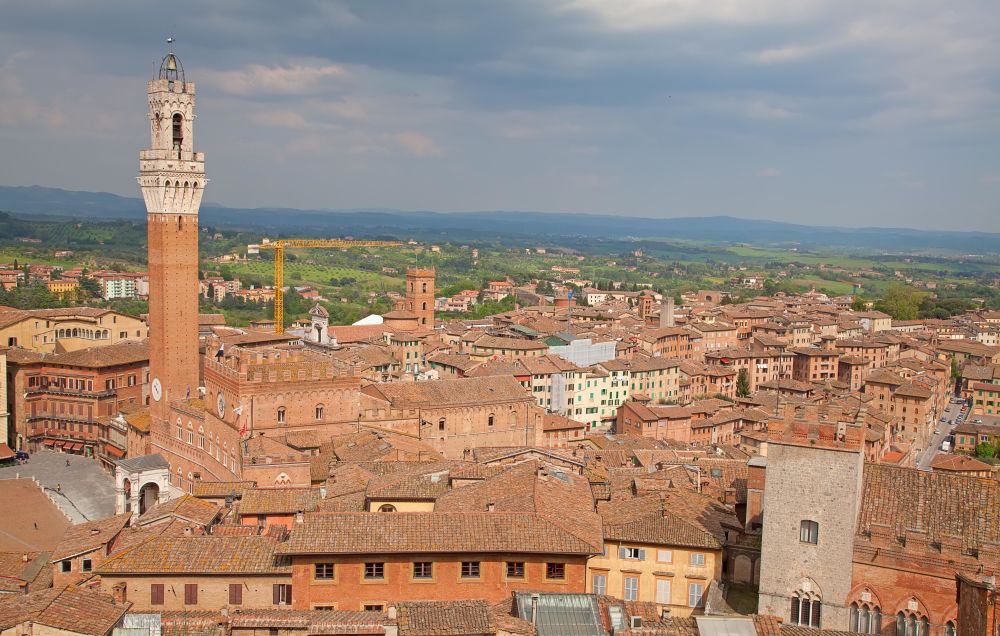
(71, 609)
(430, 532)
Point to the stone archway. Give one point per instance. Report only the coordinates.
(149, 496)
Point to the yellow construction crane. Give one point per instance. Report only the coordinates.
(279, 248)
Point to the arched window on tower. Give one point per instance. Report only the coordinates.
(178, 130)
(424, 288)
(805, 610)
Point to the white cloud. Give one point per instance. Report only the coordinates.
(418, 144)
(294, 79)
(640, 15)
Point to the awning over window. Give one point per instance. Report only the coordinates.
(49, 442)
(114, 451)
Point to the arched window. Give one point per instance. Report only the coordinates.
(441, 424)
(489, 421)
(319, 411)
(865, 618)
(201, 437)
(178, 131)
(424, 288)
(805, 609)
(281, 415)
(387, 508)
(949, 628)
(909, 624)
(809, 531)
(424, 305)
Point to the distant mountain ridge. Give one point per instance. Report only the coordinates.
(37, 200)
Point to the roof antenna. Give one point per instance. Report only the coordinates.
(170, 43)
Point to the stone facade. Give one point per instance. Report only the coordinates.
(814, 475)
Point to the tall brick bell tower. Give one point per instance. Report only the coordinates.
(420, 295)
(172, 178)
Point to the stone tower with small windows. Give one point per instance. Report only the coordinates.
(172, 179)
(812, 490)
(420, 295)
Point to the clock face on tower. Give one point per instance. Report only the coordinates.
(156, 389)
(220, 404)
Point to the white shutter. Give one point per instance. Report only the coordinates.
(665, 556)
(642, 554)
(622, 553)
(663, 591)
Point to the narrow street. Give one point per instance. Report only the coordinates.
(944, 429)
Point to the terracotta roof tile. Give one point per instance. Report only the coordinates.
(85, 537)
(938, 503)
(445, 618)
(435, 532)
(262, 501)
(185, 507)
(73, 610)
(484, 390)
(198, 555)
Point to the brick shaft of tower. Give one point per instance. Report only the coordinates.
(420, 295)
(172, 179)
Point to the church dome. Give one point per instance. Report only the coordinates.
(171, 68)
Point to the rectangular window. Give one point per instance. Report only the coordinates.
(156, 594)
(190, 593)
(88, 565)
(373, 607)
(423, 570)
(697, 558)
(809, 532)
(66, 566)
(663, 591)
(631, 588)
(600, 584)
(323, 572)
(694, 594)
(281, 594)
(470, 569)
(665, 556)
(555, 571)
(374, 570)
(236, 594)
(637, 554)
(515, 569)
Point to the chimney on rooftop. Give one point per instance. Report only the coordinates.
(300, 516)
(490, 507)
(24, 557)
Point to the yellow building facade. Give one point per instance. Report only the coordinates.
(67, 329)
(675, 578)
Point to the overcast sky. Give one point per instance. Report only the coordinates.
(840, 112)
